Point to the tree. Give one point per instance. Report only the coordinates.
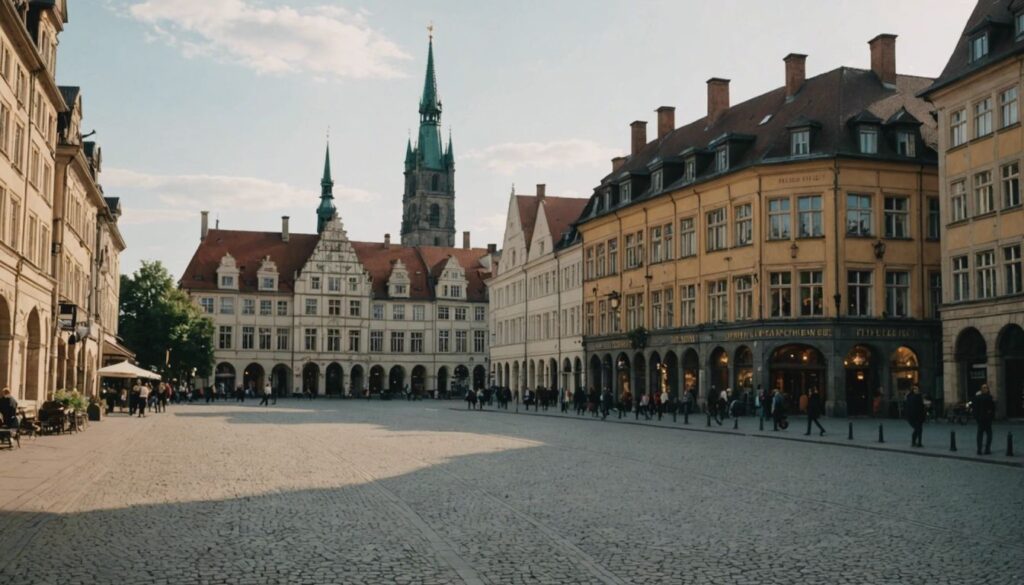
(162, 325)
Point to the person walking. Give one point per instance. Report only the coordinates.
(914, 409)
(143, 399)
(470, 399)
(9, 409)
(265, 401)
(662, 402)
(687, 403)
(814, 408)
(778, 411)
(606, 403)
(984, 413)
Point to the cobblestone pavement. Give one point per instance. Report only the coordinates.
(378, 492)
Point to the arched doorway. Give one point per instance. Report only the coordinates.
(376, 379)
(32, 357)
(516, 384)
(658, 378)
(442, 380)
(744, 370)
(622, 375)
(691, 371)
(797, 369)
(607, 377)
(419, 380)
(396, 380)
(861, 380)
(479, 377)
(670, 365)
(461, 379)
(507, 381)
(905, 372)
(972, 363)
(225, 377)
(311, 378)
(595, 371)
(719, 366)
(1011, 351)
(5, 344)
(334, 379)
(252, 378)
(531, 377)
(566, 382)
(553, 382)
(281, 380)
(356, 383)
(577, 375)
(639, 374)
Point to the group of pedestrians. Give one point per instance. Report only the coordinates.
(983, 407)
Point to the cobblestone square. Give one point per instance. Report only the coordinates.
(395, 492)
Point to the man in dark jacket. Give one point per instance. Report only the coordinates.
(914, 408)
(814, 411)
(984, 413)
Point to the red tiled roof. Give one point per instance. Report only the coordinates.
(527, 215)
(561, 213)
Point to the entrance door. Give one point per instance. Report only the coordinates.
(860, 380)
(1011, 349)
(796, 370)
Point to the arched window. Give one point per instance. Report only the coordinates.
(435, 182)
(435, 215)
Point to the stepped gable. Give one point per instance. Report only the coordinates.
(248, 249)
(420, 262)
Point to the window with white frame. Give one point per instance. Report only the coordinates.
(808, 208)
(314, 282)
(418, 312)
(282, 308)
(800, 142)
(984, 195)
(717, 230)
(722, 159)
(376, 341)
(600, 261)
(444, 341)
(334, 284)
(718, 300)
(1011, 184)
(868, 139)
(461, 341)
(668, 249)
(961, 279)
(377, 311)
(397, 342)
(656, 310)
(460, 313)
(479, 313)
(744, 286)
(227, 306)
(1008, 107)
(687, 238)
(858, 293)
(958, 200)
(283, 336)
(812, 293)
(268, 283)
(266, 307)
(978, 47)
(778, 219)
(354, 308)
(1012, 269)
(858, 215)
(353, 340)
(656, 181)
(897, 217)
(690, 170)
(744, 218)
(334, 307)
(398, 312)
(479, 341)
(443, 313)
(310, 339)
(206, 305)
(248, 306)
(897, 293)
(224, 337)
(416, 342)
(983, 117)
(613, 256)
(985, 267)
(670, 310)
(333, 339)
(656, 245)
(957, 128)
(688, 305)
(906, 143)
(312, 306)
(780, 293)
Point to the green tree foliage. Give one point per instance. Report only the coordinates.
(163, 327)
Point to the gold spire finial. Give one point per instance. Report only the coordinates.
(430, 29)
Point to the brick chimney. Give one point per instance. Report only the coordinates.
(387, 241)
(638, 136)
(204, 225)
(465, 240)
(285, 234)
(617, 163)
(796, 73)
(541, 190)
(492, 248)
(883, 58)
(666, 120)
(718, 98)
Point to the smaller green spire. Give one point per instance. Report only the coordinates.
(326, 210)
(449, 154)
(410, 158)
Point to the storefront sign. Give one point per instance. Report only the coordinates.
(883, 332)
(685, 338)
(802, 179)
(613, 344)
(777, 332)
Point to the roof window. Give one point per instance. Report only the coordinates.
(978, 47)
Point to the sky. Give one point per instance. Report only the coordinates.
(226, 105)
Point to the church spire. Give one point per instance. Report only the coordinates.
(326, 210)
(429, 150)
(430, 105)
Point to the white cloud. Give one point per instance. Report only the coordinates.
(327, 41)
(509, 157)
(181, 197)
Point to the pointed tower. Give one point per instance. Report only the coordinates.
(326, 210)
(428, 204)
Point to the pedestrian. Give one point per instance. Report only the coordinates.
(133, 398)
(779, 411)
(265, 401)
(606, 403)
(143, 398)
(814, 409)
(984, 412)
(662, 402)
(8, 409)
(914, 408)
(804, 400)
(164, 397)
(687, 403)
(470, 399)
(645, 401)
(723, 403)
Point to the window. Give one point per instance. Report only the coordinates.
(812, 293)
(588, 324)
(455, 291)
(858, 215)
(690, 170)
(443, 341)
(460, 342)
(248, 306)
(985, 265)
(314, 282)
(1012, 266)
(933, 221)
(266, 307)
(669, 250)
(377, 311)
(858, 293)
(248, 333)
(206, 305)
(416, 341)
(1008, 109)
(983, 118)
(334, 307)
(376, 341)
(227, 306)
(282, 308)
(958, 200)
(355, 308)
(634, 250)
(896, 217)
(227, 282)
(670, 311)
(460, 313)
(479, 313)
(613, 256)
(353, 340)
(656, 181)
(780, 294)
(868, 140)
(1011, 185)
(589, 262)
(267, 283)
(744, 298)
(634, 311)
(744, 225)
(224, 337)
(722, 159)
(397, 342)
(718, 300)
(334, 284)
(479, 341)
(688, 305)
(984, 197)
(353, 284)
(656, 245)
(961, 279)
(778, 219)
(310, 339)
(687, 238)
(283, 335)
(312, 306)
(978, 47)
(905, 144)
(800, 142)
(934, 293)
(418, 313)
(1018, 25)
(897, 293)
(808, 209)
(624, 191)
(957, 128)
(443, 313)
(716, 230)
(602, 310)
(656, 310)
(398, 312)
(264, 338)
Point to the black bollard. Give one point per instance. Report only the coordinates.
(760, 425)
(952, 440)
(1009, 444)
(735, 423)
(674, 416)
(709, 419)
(881, 434)
(686, 417)
(849, 434)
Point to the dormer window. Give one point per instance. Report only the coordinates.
(868, 140)
(800, 142)
(722, 158)
(905, 142)
(979, 47)
(625, 191)
(691, 170)
(227, 282)
(656, 181)
(268, 283)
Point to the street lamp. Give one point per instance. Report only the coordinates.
(614, 300)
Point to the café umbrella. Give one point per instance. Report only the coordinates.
(126, 370)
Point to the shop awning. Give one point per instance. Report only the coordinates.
(114, 350)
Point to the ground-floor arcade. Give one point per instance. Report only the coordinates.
(548, 371)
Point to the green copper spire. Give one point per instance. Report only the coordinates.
(430, 105)
(449, 153)
(410, 158)
(326, 211)
(429, 150)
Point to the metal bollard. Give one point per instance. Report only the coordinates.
(849, 434)
(952, 440)
(735, 423)
(881, 434)
(1009, 444)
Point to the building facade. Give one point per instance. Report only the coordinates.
(536, 296)
(977, 99)
(789, 241)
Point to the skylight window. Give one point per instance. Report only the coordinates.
(765, 120)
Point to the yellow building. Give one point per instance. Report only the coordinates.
(977, 99)
(789, 241)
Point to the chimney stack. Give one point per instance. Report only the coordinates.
(541, 190)
(285, 234)
(638, 136)
(796, 73)
(666, 120)
(617, 163)
(387, 241)
(465, 240)
(204, 226)
(718, 98)
(883, 58)
(492, 249)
